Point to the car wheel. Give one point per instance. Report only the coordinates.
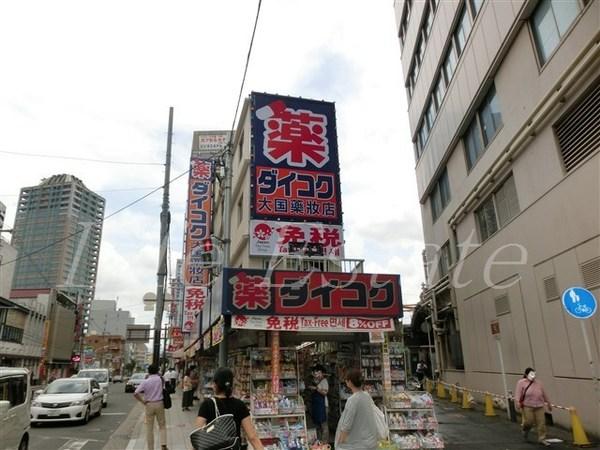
(86, 418)
(24, 445)
(104, 404)
(99, 413)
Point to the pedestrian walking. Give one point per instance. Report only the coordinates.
(227, 404)
(171, 379)
(195, 376)
(320, 403)
(188, 394)
(152, 398)
(357, 429)
(532, 400)
(421, 371)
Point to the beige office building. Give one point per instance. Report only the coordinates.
(504, 109)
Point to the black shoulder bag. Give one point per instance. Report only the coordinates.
(220, 434)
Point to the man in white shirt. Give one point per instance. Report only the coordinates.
(171, 378)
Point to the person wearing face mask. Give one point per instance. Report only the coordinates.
(531, 398)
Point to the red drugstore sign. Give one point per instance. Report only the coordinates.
(282, 293)
(197, 233)
(295, 171)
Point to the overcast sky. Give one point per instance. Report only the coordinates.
(95, 80)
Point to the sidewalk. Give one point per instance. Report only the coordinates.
(179, 426)
(470, 429)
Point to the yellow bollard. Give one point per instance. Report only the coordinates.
(465, 400)
(441, 391)
(579, 436)
(428, 385)
(489, 405)
(453, 394)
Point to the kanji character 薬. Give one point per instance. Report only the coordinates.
(201, 170)
(296, 136)
(250, 292)
(297, 206)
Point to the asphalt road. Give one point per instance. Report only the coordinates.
(94, 435)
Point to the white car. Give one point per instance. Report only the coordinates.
(67, 399)
(135, 381)
(102, 376)
(15, 396)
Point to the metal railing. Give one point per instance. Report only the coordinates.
(309, 264)
(11, 334)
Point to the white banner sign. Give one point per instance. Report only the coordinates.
(316, 324)
(271, 237)
(195, 297)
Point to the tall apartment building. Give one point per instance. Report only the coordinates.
(106, 319)
(61, 208)
(504, 110)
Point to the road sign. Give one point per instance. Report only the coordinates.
(579, 302)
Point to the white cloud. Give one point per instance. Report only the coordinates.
(96, 81)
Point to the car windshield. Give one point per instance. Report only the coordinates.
(138, 376)
(99, 375)
(67, 387)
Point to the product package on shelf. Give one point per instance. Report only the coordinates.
(397, 363)
(240, 362)
(207, 367)
(279, 417)
(371, 367)
(412, 421)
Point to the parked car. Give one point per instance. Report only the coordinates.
(134, 381)
(15, 396)
(102, 376)
(67, 399)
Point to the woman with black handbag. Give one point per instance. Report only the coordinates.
(218, 415)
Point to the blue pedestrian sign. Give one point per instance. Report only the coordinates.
(579, 302)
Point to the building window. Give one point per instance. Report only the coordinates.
(439, 91)
(449, 63)
(498, 209)
(423, 134)
(475, 6)
(473, 145)
(440, 196)
(430, 113)
(490, 116)
(483, 128)
(428, 23)
(444, 259)
(577, 132)
(463, 28)
(241, 147)
(550, 21)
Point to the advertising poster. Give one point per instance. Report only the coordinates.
(295, 167)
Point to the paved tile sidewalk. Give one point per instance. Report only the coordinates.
(179, 425)
(472, 430)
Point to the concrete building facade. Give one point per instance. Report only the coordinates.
(105, 318)
(61, 208)
(503, 104)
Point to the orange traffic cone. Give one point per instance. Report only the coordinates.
(465, 399)
(453, 394)
(489, 405)
(579, 436)
(441, 391)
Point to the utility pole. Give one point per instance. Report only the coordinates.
(223, 346)
(165, 219)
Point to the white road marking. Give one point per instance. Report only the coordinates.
(74, 444)
(114, 414)
(131, 444)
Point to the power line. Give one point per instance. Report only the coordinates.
(245, 72)
(76, 158)
(129, 205)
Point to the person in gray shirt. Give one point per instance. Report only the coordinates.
(357, 429)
